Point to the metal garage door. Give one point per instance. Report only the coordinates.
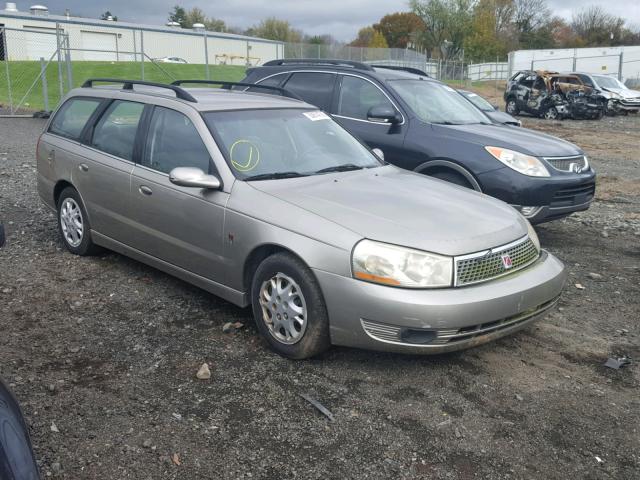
(99, 41)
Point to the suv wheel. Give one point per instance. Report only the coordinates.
(550, 113)
(73, 224)
(452, 177)
(512, 107)
(288, 307)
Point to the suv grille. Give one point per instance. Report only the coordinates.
(575, 195)
(564, 163)
(487, 265)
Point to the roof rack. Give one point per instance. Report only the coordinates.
(227, 85)
(413, 70)
(317, 61)
(128, 85)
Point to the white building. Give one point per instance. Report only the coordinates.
(31, 35)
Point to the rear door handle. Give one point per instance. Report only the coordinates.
(145, 190)
(83, 167)
(52, 156)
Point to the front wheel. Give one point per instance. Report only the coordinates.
(452, 177)
(512, 107)
(289, 308)
(551, 113)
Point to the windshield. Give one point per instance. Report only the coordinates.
(608, 82)
(479, 102)
(437, 103)
(264, 144)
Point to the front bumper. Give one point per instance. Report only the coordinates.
(557, 196)
(377, 317)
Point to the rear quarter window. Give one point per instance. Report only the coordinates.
(73, 116)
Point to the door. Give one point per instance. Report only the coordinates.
(179, 225)
(356, 96)
(104, 46)
(104, 175)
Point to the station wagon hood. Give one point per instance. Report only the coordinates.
(518, 139)
(403, 208)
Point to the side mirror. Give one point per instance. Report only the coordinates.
(378, 153)
(383, 114)
(193, 177)
(496, 107)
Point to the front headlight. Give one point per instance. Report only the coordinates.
(525, 164)
(399, 266)
(533, 236)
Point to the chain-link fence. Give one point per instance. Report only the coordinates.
(39, 65)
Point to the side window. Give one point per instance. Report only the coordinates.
(173, 142)
(586, 80)
(274, 81)
(314, 88)
(115, 132)
(73, 116)
(357, 96)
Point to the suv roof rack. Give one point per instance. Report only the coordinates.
(414, 70)
(128, 85)
(227, 85)
(318, 61)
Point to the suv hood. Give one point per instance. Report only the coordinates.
(623, 92)
(518, 139)
(403, 208)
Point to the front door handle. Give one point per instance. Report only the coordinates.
(83, 167)
(145, 190)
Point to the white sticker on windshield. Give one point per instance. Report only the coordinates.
(447, 87)
(472, 94)
(316, 115)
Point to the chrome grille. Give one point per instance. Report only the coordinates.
(564, 163)
(490, 264)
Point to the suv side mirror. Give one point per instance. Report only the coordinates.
(496, 107)
(378, 153)
(383, 114)
(193, 177)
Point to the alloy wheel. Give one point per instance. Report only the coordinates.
(284, 310)
(71, 222)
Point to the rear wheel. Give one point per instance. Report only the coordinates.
(73, 224)
(289, 308)
(512, 107)
(551, 113)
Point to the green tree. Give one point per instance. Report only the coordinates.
(276, 29)
(178, 14)
(193, 16)
(399, 28)
(216, 25)
(447, 25)
(482, 43)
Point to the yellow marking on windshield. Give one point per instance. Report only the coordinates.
(245, 156)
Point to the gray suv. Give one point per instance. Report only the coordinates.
(266, 202)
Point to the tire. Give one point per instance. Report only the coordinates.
(551, 113)
(73, 224)
(452, 177)
(304, 337)
(512, 107)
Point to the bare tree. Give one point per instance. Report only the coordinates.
(597, 27)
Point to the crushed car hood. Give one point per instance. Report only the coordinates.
(519, 139)
(391, 205)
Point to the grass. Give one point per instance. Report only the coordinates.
(23, 73)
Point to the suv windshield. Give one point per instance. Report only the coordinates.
(479, 102)
(266, 144)
(608, 82)
(437, 103)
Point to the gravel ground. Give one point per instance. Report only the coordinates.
(102, 352)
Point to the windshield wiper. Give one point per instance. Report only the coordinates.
(276, 175)
(340, 168)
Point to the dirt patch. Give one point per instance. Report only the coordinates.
(107, 349)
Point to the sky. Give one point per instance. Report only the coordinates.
(340, 18)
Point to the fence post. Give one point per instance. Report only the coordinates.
(575, 59)
(67, 59)
(206, 56)
(142, 54)
(43, 77)
(6, 67)
(60, 85)
(620, 65)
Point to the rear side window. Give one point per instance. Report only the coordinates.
(314, 88)
(116, 131)
(73, 116)
(172, 142)
(273, 81)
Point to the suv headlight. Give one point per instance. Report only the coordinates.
(525, 164)
(533, 235)
(399, 266)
